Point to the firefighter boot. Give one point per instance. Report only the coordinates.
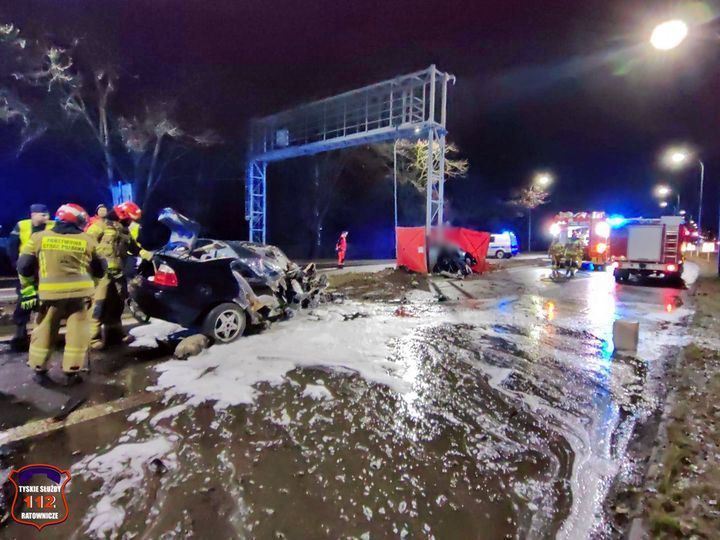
(42, 378)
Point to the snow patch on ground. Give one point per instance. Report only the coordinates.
(139, 415)
(417, 296)
(122, 472)
(329, 338)
(147, 335)
(317, 391)
(691, 271)
(170, 412)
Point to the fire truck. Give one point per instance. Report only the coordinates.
(649, 247)
(591, 227)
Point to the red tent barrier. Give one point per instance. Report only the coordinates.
(411, 246)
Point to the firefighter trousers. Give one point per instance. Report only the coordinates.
(108, 307)
(76, 311)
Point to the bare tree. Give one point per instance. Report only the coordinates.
(412, 161)
(66, 90)
(531, 198)
(156, 140)
(43, 87)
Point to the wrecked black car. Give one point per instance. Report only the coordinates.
(220, 287)
(450, 260)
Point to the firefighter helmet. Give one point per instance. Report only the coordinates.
(72, 213)
(128, 210)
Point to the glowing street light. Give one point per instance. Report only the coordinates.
(543, 179)
(669, 35)
(678, 157)
(662, 191)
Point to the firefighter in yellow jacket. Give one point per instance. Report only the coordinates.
(39, 221)
(60, 265)
(115, 244)
(575, 250)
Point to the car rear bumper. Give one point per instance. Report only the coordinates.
(166, 303)
(648, 267)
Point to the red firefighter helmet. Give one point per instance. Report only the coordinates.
(72, 213)
(128, 210)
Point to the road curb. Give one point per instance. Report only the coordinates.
(638, 529)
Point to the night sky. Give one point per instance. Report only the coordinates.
(566, 86)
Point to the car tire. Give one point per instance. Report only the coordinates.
(225, 323)
(499, 254)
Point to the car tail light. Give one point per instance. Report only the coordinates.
(671, 267)
(601, 248)
(165, 276)
(616, 264)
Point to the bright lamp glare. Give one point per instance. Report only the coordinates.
(663, 204)
(543, 179)
(602, 229)
(663, 191)
(669, 35)
(678, 157)
(555, 229)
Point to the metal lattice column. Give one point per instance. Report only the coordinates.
(256, 200)
(435, 189)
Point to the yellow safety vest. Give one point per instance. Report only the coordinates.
(64, 264)
(25, 229)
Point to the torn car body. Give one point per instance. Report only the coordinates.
(221, 286)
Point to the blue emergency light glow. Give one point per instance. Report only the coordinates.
(616, 221)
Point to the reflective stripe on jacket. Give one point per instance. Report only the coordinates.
(63, 264)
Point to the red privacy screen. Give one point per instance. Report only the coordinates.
(411, 246)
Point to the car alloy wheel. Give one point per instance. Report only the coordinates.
(228, 325)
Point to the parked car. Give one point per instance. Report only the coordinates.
(220, 287)
(503, 245)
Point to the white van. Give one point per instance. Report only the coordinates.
(503, 245)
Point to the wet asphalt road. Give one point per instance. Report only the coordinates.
(513, 419)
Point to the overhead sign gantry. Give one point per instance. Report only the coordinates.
(411, 107)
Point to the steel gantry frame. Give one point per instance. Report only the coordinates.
(410, 106)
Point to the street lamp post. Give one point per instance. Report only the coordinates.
(678, 158)
(540, 181)
(664, 37)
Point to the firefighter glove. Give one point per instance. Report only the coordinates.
(28, 297)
